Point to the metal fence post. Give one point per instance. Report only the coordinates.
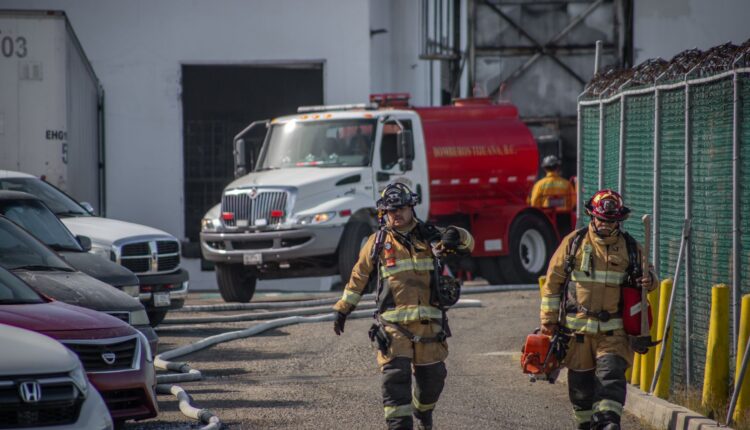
(601, 144)
(736, 292)
(688, 361)
(579, 166)
(657, 182)
(621, 171)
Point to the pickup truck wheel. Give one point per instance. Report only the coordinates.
(236, 283)
(354, 238)
(156, 317)
(532, 242)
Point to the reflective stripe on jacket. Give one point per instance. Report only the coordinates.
(406, 271)
(599, 271)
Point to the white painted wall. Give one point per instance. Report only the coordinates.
(664, 28)
(138, 46)
(396, 66)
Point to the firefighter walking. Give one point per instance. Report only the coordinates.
(410, 327)
(598, 262)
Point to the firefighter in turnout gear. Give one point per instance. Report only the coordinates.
(410, 327)
(599, 351)
(555, 192)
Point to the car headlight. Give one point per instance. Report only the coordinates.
(102, 251)
(146, 347)
(79, 379)
(318, 218)
(209, 224)
(131, 290)
(139, 317)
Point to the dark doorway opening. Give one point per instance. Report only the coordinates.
(218, 101)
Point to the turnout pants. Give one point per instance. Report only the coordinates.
(596, 378)
(400, 402)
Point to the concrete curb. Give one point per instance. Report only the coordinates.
(662, 414)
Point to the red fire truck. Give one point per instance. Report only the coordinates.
(307, 206)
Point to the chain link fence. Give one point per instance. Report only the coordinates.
(642, 132)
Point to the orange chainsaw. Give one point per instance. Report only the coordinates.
(542, 355)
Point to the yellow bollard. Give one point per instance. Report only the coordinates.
(648, 360)
(662, 385)
(628, 373)
(716, 376)
(635, 375)
(743, 398)
(542, 280)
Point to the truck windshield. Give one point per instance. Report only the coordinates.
(14, 291)
(21, 251)
(58, 202)
(334, 143)
(35, 217)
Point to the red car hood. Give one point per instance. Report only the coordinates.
(59, 320)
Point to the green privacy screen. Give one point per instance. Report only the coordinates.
(655, 114)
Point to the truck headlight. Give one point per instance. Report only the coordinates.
(208, 224)
(131, 290)
(79, 379)
(139, 317)
(318, 218)
(102, 251)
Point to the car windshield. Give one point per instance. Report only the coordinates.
(14, 291)
(36, 218)
(60, 203)
(334, 143)
(21, 251)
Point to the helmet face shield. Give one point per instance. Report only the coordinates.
(396, 196)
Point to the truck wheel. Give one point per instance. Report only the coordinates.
(156, 317)
(354, 238)
(236, 283)
(532, 243)
(491, 270)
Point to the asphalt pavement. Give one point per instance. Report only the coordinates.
(305, 377)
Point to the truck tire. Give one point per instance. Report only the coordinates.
(156, 317)
(491, 270)
(236, 283)
(532, 243)
(354, 238)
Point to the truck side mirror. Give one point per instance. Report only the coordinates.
(239, 158)
(405, 145)
(85, 242)
(87, 206)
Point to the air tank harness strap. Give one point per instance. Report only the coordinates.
(440, 337)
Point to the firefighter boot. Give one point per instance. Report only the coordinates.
(605, 421)
(396, 385)
(430, 380)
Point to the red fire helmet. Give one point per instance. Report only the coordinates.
(607, 205)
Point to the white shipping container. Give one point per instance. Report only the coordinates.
(50, 104)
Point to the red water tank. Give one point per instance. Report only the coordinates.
(477, 151)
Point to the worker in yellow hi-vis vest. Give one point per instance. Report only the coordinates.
(554, 191)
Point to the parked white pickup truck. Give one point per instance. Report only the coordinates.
(153, 255)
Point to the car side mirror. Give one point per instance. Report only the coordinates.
(88, 207)
(405, 147)
(85, 242)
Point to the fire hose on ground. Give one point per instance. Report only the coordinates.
(188, 374)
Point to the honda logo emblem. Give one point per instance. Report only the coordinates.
(109, 357)
(31, 391)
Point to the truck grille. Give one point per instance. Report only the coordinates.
(59, 404)
(155, 256)
(246, 208)
(106, 355)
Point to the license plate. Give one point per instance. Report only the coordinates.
(252, 259)
(161, 299)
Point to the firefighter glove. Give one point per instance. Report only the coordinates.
(338, 323)
(451, 238)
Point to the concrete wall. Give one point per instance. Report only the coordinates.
(665, 28)
(138, 46)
